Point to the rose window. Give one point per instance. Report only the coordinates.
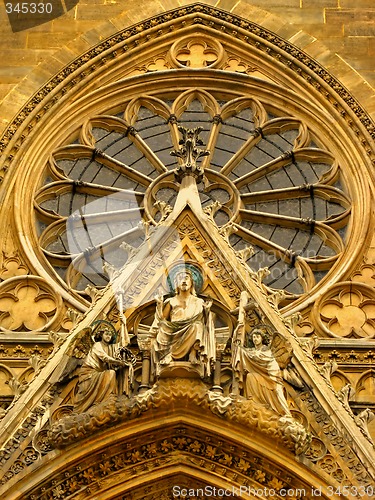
(267, 174)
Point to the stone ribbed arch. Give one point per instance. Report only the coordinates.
(180, 443)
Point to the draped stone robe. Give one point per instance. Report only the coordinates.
(185, 330)
(96, 377)
(261, 378)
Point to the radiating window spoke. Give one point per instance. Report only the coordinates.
(266, 174)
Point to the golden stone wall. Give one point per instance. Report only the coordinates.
(341, 37)
(34, 315)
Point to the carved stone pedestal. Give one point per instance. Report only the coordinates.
(181, 369)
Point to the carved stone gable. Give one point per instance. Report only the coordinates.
(193, 227)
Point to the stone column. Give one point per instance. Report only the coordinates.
(144, 344)
(221, 338)
(217, 374)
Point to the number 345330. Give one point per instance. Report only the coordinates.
(28, 8)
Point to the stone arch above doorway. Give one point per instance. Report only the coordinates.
(90, 91)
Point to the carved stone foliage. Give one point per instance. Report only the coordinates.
(176, 392)
(173, 445)
(189, 232)
(329, 465)
(316, 450)
(349, 473)
(355, 356)
(27, 304)
(15, 350)
(347, 310)
(29, 453)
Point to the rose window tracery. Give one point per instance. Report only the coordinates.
(268, 173)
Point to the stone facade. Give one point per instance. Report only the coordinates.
(299, 160)
(338, 35)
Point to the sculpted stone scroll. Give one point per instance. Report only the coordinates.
(183, 327)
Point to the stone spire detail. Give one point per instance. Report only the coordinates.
(190, 153)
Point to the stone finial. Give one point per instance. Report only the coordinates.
(190, 153)
(328, 369)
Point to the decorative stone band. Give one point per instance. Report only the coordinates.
(174, 393)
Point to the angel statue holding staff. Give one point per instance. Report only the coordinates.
(255, 363)
(103, 367)
(183, 326)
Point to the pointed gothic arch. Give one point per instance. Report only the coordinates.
(289, 94)
(127, 461)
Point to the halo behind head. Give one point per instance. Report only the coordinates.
(190, 268)
(100, 326)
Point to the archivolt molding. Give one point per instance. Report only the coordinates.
(119, 458)
(153, 443)
(346, 472)
(118, 471)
